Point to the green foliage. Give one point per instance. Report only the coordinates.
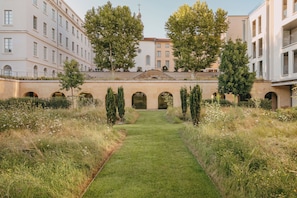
(121, 103)
(72, 78)
(195, 104)
(110, 106)
(235, 77)
(31, 103)
(114, 34)
(222, 102)
(196, 35)
(184, 101)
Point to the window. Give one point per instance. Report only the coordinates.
(54, 15)
(167, 54)
(148, 60)
(35, 71)
(44, 29)
(60, 20)
(289, 36)
(285, 63)
(45, 53)
(44, 7)
(7, 45)
(295, 62)
(158, 45)
(159, 64)
(67, 42)
(60, 59)
(8, 17)
(53, 34)
(260, 47)
(53, 56)
(60, 39)
(35, 2)
(158, 53)
(7, 70)
(81, 52)
(167, 45)
(77, 34)
(167, 63)
(254, 67)
(73, 33)
(73, 46)
(295, 6)
(53, 73)
(260, 25)
(254, 28)
(67, 25)
(254, 49)
(34, 22)
(35, 49)
(261, 69)
(45, 72)
(77, 49)
(285, 9)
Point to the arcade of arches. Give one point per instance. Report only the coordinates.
(140, 94)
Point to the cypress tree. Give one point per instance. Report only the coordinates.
(121, 103)
(110, 107)
(183, 99)
(195, 104)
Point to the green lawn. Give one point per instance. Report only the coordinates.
(152, 162)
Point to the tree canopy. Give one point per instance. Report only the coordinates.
(72, 78)
(114, 33)
(235, 77)
(196, 35)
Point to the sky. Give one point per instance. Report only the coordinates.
(155, 13)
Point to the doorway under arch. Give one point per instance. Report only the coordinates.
(273, 98)
(165, 99)
(31, 94)
(58, 94)
(139, 100)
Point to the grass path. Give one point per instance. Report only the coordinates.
(153, 162)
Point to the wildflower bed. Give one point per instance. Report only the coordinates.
(52, 153)
(247, 152)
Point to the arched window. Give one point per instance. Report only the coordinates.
(35, 71)
(45, 72)
(148, 60)
(7, 70)
(54, 73)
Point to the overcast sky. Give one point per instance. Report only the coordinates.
(155, 13)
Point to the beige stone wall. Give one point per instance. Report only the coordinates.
(152, 89)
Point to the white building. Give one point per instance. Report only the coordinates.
(145, 59)
(37, 36)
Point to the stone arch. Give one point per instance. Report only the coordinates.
(31, 94)
(58, 94)
(245, 97)
(7, 70)
(162, 103)
(272, 96)
(139, 100)
(215, 94)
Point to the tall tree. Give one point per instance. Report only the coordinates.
(195, 104)
(110, 106)
(72, 78)
(183, 98)
(114, 34)
(196, 35)
(235, 77)
(121, 103)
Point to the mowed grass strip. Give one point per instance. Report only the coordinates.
(153, 162)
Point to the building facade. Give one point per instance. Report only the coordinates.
(37, 36)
